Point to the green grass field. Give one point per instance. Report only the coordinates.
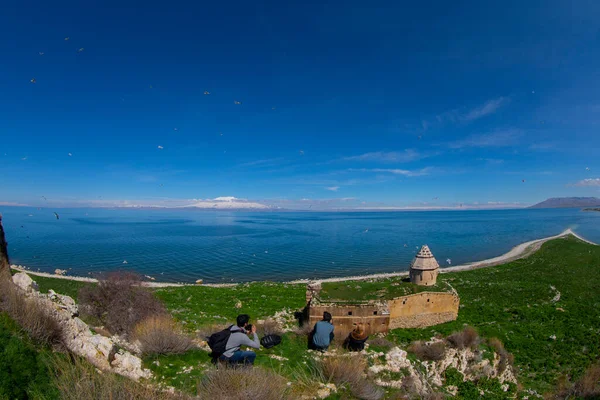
(519, 303)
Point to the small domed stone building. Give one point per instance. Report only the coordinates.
(424, 268)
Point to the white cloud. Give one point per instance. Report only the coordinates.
(227, 202)
(588, 182)
(333, 188)
(405, 156)
(489, 107)
(499, 138)
(395, 171)
(461, 115)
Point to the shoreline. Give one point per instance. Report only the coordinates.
(520, 251)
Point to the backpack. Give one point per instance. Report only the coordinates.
(218, 342)
(269, 341)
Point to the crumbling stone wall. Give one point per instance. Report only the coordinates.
(423, 309)
(375, 316)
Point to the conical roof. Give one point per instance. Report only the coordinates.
(425, 260)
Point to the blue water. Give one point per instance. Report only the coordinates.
(223, 246)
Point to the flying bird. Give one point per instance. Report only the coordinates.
(160, 147)
(237, 102)
(41, 53)
(32, 80)
(80, 50)
(523, 181)
(301, 152)
(56, 215)
(44, 197)
(449, 261)
(206, 92)
(587, 168)
(435, 198)
(24, 158)
(70, 154)
(175, 129)
(124, 261)
(67, 38)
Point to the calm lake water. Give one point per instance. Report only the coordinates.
(224, 246)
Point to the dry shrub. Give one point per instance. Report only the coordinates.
(269, 327)
(381, 341)
(119, 302)
(343, 370)
(586, 387)
(350, 371)
(30, 314)
(242, 383)
(204, 332)
(161, 335)
(429, 352)
(303, 330)
(506, 359)
(79, 380)
(468, 337)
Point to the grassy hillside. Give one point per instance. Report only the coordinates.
(519, 304)
(545, 308)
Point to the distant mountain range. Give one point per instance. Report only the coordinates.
(568, 202)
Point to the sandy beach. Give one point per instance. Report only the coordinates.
(520, 251)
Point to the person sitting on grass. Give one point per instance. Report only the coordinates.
(238, 338)
(322, 334)
(356, 339)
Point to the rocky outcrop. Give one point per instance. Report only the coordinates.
(24, 282)
(427, 376)
(4, 261)
(77, 337)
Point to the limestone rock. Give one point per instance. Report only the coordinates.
(64, 302)
(130, 366)
(24, 282)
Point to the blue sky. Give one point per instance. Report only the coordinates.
(343, 104)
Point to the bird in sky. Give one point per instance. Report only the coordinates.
(301, 152)
(80, 50)
(587, 168)
(124, 261)
(160, 147)
(206, 92)
(449, 261)
(435, 198)
(237, 102)
(41, 53)
(523, 181)
(67, 38)
(56, 215)
(70, 155)
(24, 158)
(44, 197)
(32, 80)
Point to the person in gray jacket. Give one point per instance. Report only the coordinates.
(238, 338)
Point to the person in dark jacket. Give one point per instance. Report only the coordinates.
(356, 339)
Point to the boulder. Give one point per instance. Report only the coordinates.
(24, 282)
(128, 365)
(64, 302)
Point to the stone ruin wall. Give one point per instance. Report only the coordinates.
(413, 311)
(423, 309)
(375, 316)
